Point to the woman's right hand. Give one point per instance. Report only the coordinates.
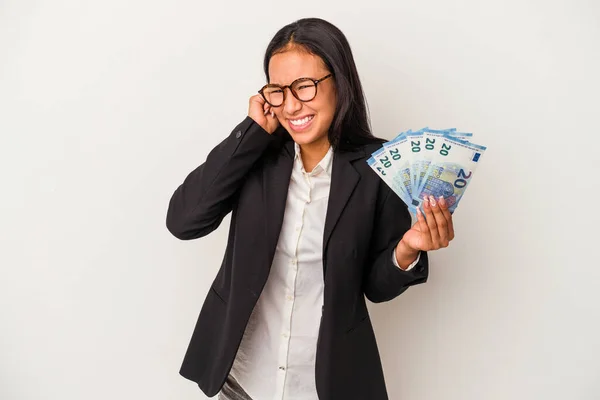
(260, 111)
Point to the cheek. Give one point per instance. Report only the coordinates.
(328, 106)
(327, 111)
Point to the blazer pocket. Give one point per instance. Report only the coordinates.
(358, 324)
(216, 293)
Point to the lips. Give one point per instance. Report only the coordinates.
(300, 124)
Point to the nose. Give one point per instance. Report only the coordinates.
(291, 105)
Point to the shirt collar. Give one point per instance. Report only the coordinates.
(324, 165)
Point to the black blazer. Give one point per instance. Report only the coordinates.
(248, 174)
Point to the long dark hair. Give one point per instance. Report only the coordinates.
(351, 126)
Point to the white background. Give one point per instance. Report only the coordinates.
(105, 106)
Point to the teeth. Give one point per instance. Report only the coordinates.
(301, 121)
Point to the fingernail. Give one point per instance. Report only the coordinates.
(432, 200)
(266, 111)
(442, 201)
(272, 114)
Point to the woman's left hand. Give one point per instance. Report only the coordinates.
(432, 232)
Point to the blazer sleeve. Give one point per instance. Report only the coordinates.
(207, 194)
(384, 280)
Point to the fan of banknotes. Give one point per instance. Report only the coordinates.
(428, 162)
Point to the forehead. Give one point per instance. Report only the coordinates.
(286, 67)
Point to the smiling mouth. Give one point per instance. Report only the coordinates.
(299, 124)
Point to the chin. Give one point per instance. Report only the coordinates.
(307, 138)
(303, 139)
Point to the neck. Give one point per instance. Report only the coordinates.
(313, 153)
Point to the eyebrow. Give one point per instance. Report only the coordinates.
(302, 77)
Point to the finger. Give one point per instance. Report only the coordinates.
(257, 98)
(440, 221)
(424, 229)
(417, 224)
(430, 218)
(256, 102)
(448, 215)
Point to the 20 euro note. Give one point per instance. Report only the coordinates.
(387, 177)
(397, 154)
(415, 140)
(382, 162)
(429, 146)
(385, 166)
(418, 145)
(451, 171)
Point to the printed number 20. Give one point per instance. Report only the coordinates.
(386, 162)
(460, 182)
(445, 149)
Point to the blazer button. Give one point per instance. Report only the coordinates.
(238, 134)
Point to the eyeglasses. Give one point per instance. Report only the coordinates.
(304, 89)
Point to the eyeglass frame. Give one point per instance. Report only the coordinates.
(283, 87)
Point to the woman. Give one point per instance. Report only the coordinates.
(313, 231)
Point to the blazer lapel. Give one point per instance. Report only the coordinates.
(276, 179)
(344, 179)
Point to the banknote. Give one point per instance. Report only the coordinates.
(431, 140)
(450, 171)
(397, 156)
(387, 175)
(428, 162)
(414, 138)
